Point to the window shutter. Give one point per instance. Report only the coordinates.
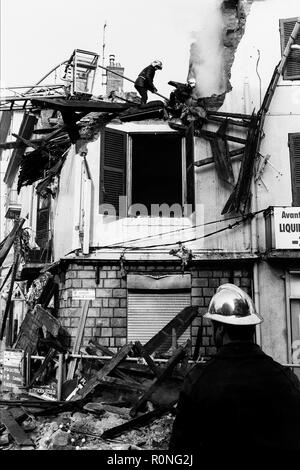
(190, 171)
(42, 227)
(294, 144)
(292, 68)
(113, 168)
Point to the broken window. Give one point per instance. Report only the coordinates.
(149, 168)
(292, 68)
(294, 145)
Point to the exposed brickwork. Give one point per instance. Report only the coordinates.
(107, 315)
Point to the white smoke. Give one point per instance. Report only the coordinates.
(206, 53)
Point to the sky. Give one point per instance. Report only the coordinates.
(37, 35)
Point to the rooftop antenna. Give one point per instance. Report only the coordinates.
(103, 54)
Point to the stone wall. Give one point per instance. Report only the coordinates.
(107, 315)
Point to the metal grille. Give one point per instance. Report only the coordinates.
(150, 312)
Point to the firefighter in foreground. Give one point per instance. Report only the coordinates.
(144, 82)
(241, 399)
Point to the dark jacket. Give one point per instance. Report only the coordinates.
(145, 78)
(239, 399)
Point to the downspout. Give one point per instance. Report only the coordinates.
(254, 224)
(87, 189)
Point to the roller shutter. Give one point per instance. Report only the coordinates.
(150, 311)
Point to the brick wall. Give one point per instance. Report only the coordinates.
(107, 315)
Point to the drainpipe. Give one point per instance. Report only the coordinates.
(87, 203)
(254, 223)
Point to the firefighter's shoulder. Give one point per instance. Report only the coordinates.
(199, 370)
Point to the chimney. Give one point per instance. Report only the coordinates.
(114, 82)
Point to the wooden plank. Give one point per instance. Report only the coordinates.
(79, 335)
(147, 358)
(138, 422)
(14, 429)
(169, 367)
(109, 367)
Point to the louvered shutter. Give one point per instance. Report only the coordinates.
(292, 68)
(113, 168)
(42, 227)
(149, 312)
(294, 144)
(190, 170)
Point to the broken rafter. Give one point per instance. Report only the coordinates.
(107, 369)
(173, 361)
(229, 121)
(229, 115)
(213, 135)
(138, 422)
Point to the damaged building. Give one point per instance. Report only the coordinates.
(122, 219)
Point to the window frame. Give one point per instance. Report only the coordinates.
(128, 166)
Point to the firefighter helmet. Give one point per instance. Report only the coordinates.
(157, 64)
(192, 82)
(233, 306)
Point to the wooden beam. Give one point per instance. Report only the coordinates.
(182, 320)
(26, 142)
(138, 422)
(229, 121)
(100, 407)
(229, 115)
(207, 161)
(14, 429)
(213, 135)
(109, 367)
(4, 250)
(101, 348)
(49, 356)
(147, 358)
(169, 367)
(122, 384)
(78, 341)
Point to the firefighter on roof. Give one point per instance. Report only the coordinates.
(144, 82)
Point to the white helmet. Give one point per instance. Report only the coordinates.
(157, 63)
(192, 82)
(233, 306)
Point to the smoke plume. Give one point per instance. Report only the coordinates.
(206, 52)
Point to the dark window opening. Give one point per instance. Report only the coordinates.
(156, 169)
